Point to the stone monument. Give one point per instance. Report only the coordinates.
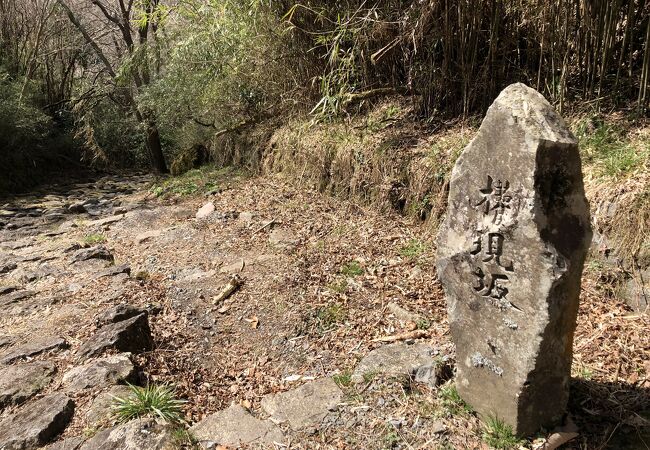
(510, 257)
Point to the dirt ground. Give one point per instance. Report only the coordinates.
(318, 277)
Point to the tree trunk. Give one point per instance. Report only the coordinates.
(155, 148)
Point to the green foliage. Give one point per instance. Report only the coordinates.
(352, 269)
(95, 238)
(203, 180)
(153, 400)
(343, 379)
(498, 435)
(452, 402)
(607, 147)
(328, 316)
(413, 249)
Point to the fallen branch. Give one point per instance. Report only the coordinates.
(267, 224)
(415, 334)
(235, 283)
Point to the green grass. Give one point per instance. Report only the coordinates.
(203, 180)
(423, 324)
(369, 376)
(608, 148)
(153, 400)
(451, 401)
(413, 249)
(94, 239)
(343, 379)
(352, 269)
(338, 286)
(499, 435)
(329, 316)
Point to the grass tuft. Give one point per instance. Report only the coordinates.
(343, 379)
(94, 239)
(497, 434)
(413, 249)
(352, 269)
(153, 400)
(451, 401)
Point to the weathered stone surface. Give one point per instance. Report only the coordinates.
(97, 252)
(394, 360)
(205, 210)
(15, 297)
(7, 289)
(99, 373)
(282, 238)
(234, 426)
(72, 443)
(137, 434)
(33, 348)
(511, 252)
(305, 406)
(115, 270)
(20, 382)
(118, 313)
(36, 423)
(101, 409)
(636, 291)
(147, 235)
(131, 335)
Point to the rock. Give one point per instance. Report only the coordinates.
(636, 291)
(205, 210)
(246, 216)
(8, 289)
(99, 373)
(398, 359)
(18, 383)
(234, 426)
(36, 423)
(100, 411)
(305, 406)
(282, 238)
(147, 235)
(76, 208)
(115, 270)
(118, 313)
(136, 434)
(33, 348)
(16, 297)
(72, 443)
(7, 266)
(402, 314)
(510, 257)
(105, 221)
(131, 335)
(434, 373)
(97, 252)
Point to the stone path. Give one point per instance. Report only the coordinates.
(335, 336)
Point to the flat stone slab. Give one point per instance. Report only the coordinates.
(33, 348)
(101, 411)
(115, 270)
(283, 238)
(97, 252)
(36, 423)
(118, 313)
(132, 335)
(398, 359)
(20, 382)
(235, 426)
(72, 443)
(136, 434)
(305, 406)
(99, 373)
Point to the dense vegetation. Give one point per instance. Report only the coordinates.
(171, 83)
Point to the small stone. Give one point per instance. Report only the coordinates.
(99, 373)
(147, 235)
(234, 427)
(33, 348)
(246, 216)
(7, 289)
(97, 252)
(118, 313)
(402, 314)
(7, 266)
(20, 382)
(282, 238)
(36, 423)
(437, 427)
(398, 359)
(16, 297)
(100, 412)
(205, 210)
(76, 208)
(115, 270)
(131, 335)
(305, 406)
(136, 434)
